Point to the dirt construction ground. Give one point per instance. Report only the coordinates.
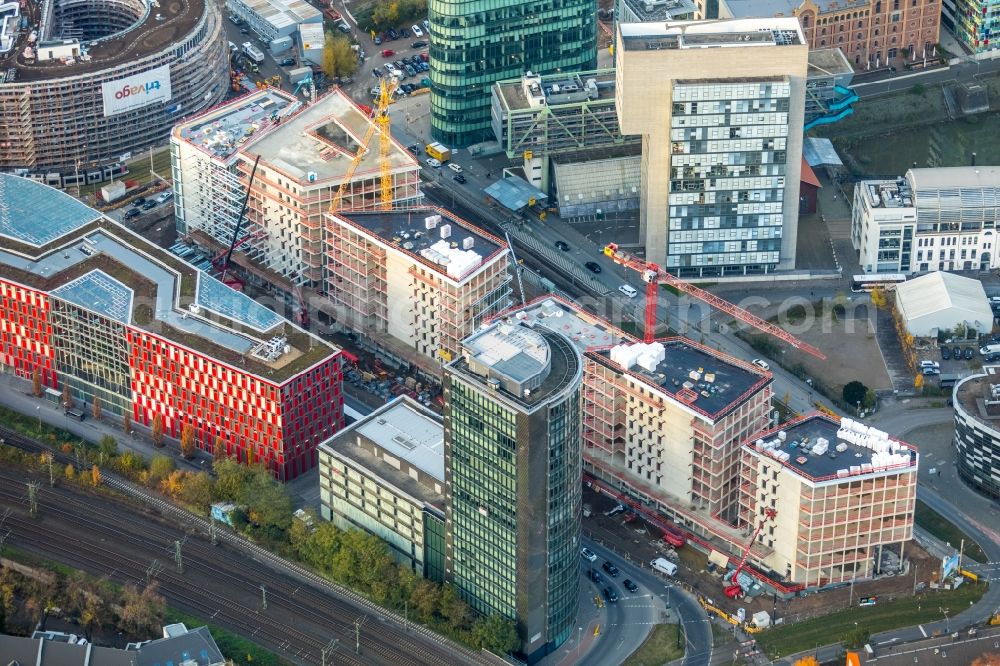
(635, 541)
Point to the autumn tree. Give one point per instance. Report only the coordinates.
(157, 433)
(95, 476)
(67, 396)
(806, 661)
(36, 383)
(127, 422)
(95, 408)
(880, 298)
(918, 382)
(187, 441)
(141, 612)
(160, 467)
(339, 59)
(988, 659)
(70, 472)
(172, 484)
(219, 448)
(196, 490)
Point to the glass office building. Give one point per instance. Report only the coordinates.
(512, 470)
(475, 44)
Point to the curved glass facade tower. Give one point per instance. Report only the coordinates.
(512, 473)
(475, 43)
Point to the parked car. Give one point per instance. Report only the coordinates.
(459, 178)
(968, 354)
(417, 32)
(930, 371)
(992, 358)
(562, 245)
(611, 595)
(138, 201)
(398, 64)
(409, 70)
(930, 364)
(388, 67)
(630, 586)
(377, 74)
(761, 363)
(392, 34)
(957, 352)
(414, 148)
(427, 26)
(596, 576)
(388, 53)
(945, 354)
(378, 40)
(424, 56)
(149, 205)
(418, 45)
(131, 212)
(404, 32)
(611, 569)
(424, 67)
(431, 162)
(588, 554)
(593, 266)
(287, 62)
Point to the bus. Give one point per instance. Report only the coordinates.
(869, 281)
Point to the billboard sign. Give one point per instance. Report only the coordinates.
(949, 564)
(136, 91)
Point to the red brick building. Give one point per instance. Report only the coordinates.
(89, 305)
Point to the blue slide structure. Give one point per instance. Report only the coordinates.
(837, 110)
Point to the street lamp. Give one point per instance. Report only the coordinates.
(38, 411)
(579, 639)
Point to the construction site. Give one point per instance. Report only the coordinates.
(131, 68)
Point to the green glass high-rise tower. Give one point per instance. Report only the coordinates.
(512, 475)
(475, 43)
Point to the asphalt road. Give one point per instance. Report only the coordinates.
(126, 542)
(964, 72)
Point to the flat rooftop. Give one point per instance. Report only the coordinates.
(224, 130)
(581, 328)
(404, 429)
(818, 448)
(284, 13)
(887, 193)
(975, 392)
(517, 352)
(432, 236)
(977, 177)
(518, 94)
(828, 62)
(104, 267)
(317, 143)
(756, 8)
(178, 19)
(699, 377)
(34, 215)
(563, 362)
(661, 10)
(718, 33)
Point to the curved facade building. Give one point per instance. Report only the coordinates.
(476, 44)
(104, 79)
(977, 432)
(512, 473)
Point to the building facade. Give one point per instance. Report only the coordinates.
(474, 45)
(874, 33)
(384, 474)
(844, 495)
(89, 57)
(422, 278)
(937, 219)
(972, 22)
(722, 146)
(90, 306)
(271, 19)
(977, 431)
(512, 475)
(304, 154)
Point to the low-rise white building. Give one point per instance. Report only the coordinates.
(272, 19)
(943, 301)
(940, 219)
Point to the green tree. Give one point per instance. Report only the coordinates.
(319, 546)
(339, 59)
(870, 399)
(495, 633)
(386, 14)
(157, 432)
(856, 638)
(160, 467)
(454, 610)
(128, 464)
(109, 447)
(425, 600)
(854, 392)
(231, 479)
(267, 500)
(196, 490)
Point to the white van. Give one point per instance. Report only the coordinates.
(628, 290)
(664, 565)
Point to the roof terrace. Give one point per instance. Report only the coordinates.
(224, 130)
(718, 33)
(582, 329)
(817, 448)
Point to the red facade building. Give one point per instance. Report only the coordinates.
(92, 306)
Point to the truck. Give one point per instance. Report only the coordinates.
(438, 151)
(663, 565)
(113, 191)
(253, 52)
(990, 349)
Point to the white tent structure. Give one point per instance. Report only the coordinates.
(941, 301)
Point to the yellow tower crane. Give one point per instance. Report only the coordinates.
(380, 117)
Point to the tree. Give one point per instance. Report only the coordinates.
(806, 661)
(870, 399)
(141, 612)
(109, 447)
(95, 476)
(173, 483)
(339, 59)
(988, 659)
(231, 479)
(880, 298)
(160, 467)
(386, 14)
(67, 396)
(856, 637)
(495, 633)
(157, 433)
(918, 382)
(95, 408)
(854, 392)
(196, 490)
(425, 600)
(70, 472)
(219, 448)
(187, 441)
(127, 422)
(267, 500)
(453, 609)
(36, 383)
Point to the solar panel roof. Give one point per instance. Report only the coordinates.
(217, 297)
(37, 214)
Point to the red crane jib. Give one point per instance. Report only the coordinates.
(653, 276)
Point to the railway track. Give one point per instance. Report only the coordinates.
(303, 614)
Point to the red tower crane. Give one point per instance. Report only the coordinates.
(735, 591)
(654, 276)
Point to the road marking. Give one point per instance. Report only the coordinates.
(921, 627)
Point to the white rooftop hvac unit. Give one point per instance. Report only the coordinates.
(445, 231)
(468, 242)
(431, 221)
